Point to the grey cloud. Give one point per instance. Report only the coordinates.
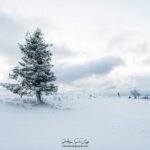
(9, 25)
(62, 51)
(98, 67)
(11, 31)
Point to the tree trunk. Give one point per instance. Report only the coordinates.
(38, 97)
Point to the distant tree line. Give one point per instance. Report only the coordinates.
(135, 94)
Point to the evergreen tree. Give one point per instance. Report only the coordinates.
(34, 73)
(135, 93)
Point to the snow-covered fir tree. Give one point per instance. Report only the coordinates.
(33, 73)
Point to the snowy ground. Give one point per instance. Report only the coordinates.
(108, 123)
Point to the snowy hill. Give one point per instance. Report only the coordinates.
(108, 123)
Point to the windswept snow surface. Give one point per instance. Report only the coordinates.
(109, 123)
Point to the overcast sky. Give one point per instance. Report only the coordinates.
(99, 45)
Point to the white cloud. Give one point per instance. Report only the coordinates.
(82, 32)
